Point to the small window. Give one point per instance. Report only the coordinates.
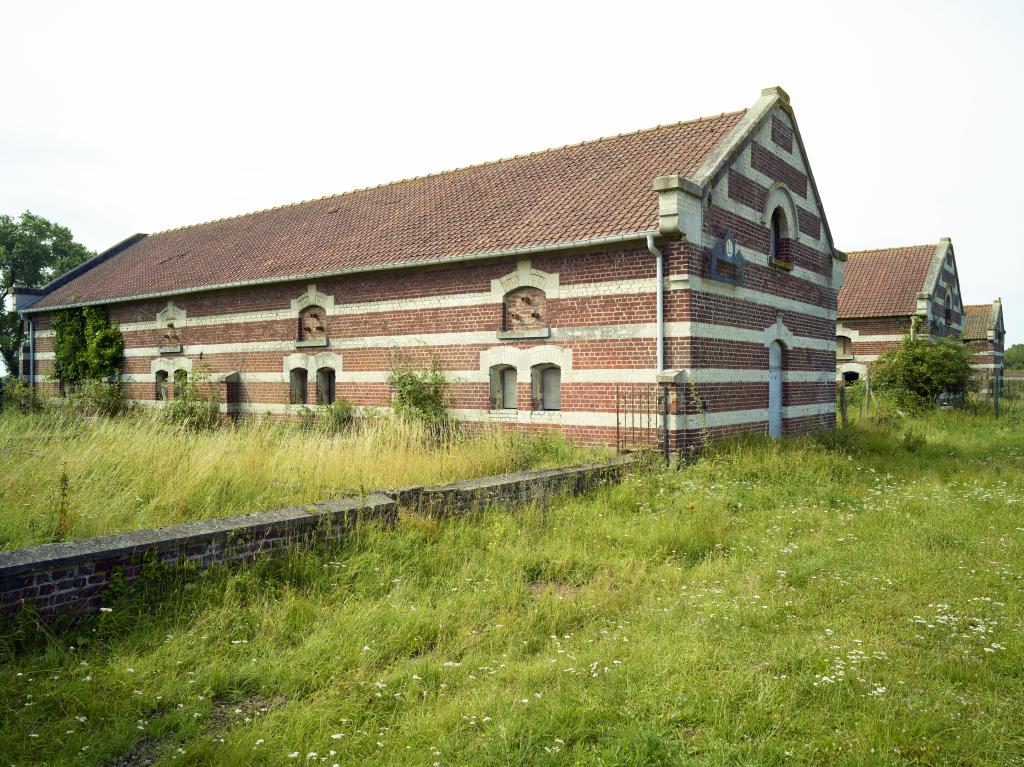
(949, 308)
(504, 381)
(844, 346)
(312, 324)
(298, 381)
(547, 387)
(180, 379)
(161, 385)
(776, 249)
(325, 386)
(850, 376)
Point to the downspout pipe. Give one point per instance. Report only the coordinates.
(660, 262)
(31, 354)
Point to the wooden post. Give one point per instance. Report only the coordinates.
(867, 392)
(996, 386)
(842, 402)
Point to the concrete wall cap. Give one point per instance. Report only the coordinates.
(775, 90)
(50, 555)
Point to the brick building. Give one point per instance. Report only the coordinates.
(694, 256)
(885, 292)
(984, 333)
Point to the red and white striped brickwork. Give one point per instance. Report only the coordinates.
(868, 337)
(597, 308)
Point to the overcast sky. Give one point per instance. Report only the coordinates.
(136, 117)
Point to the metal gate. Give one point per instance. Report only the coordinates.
(641, 412)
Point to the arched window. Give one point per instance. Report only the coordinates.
(325, 386)
(547, 387)
(777, 252)
(313, 325)
(161, 385)
(844, 347)
(180, 380)
(297, 390)
(503, 388)
(525, 309)
(949, 308)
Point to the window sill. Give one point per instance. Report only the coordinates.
(546, 415)
(516, 335)
(786, 266)
(503, 414)
(320, 342)
(844, 358)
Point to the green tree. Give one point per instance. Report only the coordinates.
(33, 251)
(917, 371)
(85, 345)
(1013, 358)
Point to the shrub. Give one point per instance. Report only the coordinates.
(327, 419)
(338, 416)
(917, 372)
(420, 395)
(20, 395)
(1013, 358)
(94, 397)
(85, 346)
(194, 406)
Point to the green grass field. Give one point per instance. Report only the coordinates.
(850, 599)
(63, 478)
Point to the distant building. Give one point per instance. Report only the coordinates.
(985, 334)
(885, 291)
(694, 256)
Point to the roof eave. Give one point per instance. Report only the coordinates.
(81, 269)
(480, 256)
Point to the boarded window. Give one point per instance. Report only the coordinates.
(325, 386)
(312, 324)
(547, 387)
(298, 381)
(503, 388)
(525, 309)
(161, 385)
(844, 347)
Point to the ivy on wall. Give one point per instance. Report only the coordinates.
(85, 346)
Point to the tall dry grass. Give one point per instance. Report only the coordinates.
(66, 478)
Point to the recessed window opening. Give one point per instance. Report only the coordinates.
(525, 309)
(844, 346)
(312, 324)
(161, 385)
(778, 230)
(298, 381)
(325, 386)
(547, 387)
(504, 381)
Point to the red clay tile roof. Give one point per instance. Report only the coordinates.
(884, 283)
(976, 319)
(594, 189)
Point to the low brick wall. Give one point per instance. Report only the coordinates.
(516, 488)
(59, 578)
(64, 577)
